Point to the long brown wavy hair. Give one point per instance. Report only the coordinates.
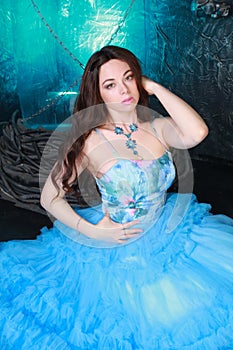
(90, 111)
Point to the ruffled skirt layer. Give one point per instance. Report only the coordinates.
(163, 291)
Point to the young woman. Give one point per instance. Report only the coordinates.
(111, 276)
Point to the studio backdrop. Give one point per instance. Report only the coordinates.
(185, 45)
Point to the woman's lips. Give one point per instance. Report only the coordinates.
(128, 100)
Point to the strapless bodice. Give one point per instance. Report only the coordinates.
(135, 189)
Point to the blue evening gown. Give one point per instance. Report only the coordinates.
(169, 289)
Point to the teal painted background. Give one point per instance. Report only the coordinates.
(42, 45)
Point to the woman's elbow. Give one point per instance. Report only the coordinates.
(43, 202)
(202, 133)
(48, 194)
(196, 137)
(46, 199)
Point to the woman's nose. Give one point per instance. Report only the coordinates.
(123, 88)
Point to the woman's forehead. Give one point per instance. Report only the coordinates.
(113, 69)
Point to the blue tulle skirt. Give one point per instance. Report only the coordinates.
(163, 291)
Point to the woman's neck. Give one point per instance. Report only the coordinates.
(123, 118)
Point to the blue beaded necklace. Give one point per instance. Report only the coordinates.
(130, 144)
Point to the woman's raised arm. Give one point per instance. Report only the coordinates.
(185, 128)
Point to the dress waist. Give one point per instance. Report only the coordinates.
(142, 209)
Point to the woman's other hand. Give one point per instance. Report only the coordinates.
(110, 231)
(148, 85)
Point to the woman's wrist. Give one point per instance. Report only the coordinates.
(156, 88)
(78, 222)
(84, 227)
(151, 86)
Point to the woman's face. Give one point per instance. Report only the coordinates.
(117, 85)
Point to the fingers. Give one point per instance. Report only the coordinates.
(147, 84)
(119, 233)
(130, 231)
(126, 237)
(127, 232)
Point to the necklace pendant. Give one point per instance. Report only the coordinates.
(118, 130)
(130, 144)
(133, 127)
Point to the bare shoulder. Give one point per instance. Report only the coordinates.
(83, 162)
(94, 151)
(159, 124)
(91, 142)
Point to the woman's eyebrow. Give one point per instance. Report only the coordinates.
(129, 70)
(109, 79)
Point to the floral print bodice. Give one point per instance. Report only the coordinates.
(136, 189)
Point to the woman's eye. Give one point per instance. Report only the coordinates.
(109, 86)
(129, 77)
